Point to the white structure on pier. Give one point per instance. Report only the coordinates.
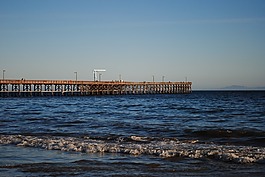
(96, 74)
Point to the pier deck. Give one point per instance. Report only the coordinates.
(25, 88)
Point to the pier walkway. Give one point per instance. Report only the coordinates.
(27, 88)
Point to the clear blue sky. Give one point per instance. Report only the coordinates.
(214, 43)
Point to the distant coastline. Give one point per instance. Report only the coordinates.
(233, 88)
(240, 87)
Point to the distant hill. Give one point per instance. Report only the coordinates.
(235, 87)
(240, 87)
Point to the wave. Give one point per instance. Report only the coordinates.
(136, 145)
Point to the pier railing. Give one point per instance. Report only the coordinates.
(79, 88)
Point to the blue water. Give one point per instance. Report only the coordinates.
(222, 118)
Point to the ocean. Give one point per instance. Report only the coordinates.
(205, 133)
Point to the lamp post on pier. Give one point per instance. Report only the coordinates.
(75, 76)
(163, 78)
(4, 74)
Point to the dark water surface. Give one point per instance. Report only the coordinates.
(205, 133)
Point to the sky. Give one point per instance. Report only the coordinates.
(212, 43)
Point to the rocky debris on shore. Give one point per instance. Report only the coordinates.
(142, 145)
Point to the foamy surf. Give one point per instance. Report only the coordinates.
(136, 145)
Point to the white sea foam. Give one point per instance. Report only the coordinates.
(142, 145)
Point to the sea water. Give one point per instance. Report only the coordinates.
(204, 133)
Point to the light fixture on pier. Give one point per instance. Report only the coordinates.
(75, 76)
(4, 74)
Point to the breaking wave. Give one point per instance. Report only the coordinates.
(136, 145)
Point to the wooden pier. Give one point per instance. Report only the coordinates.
(29, 88)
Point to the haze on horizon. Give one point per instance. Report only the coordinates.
(212, 43)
